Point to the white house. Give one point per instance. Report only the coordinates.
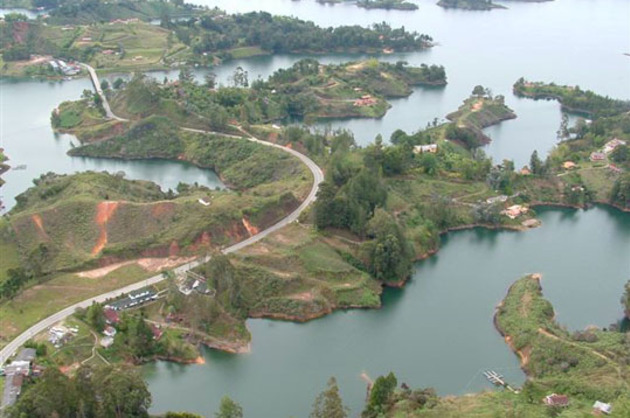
(606, 408)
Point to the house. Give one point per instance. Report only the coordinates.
(612, 144)
(569, 165)
(525, 171)
(614, 168)
(111, 316)
(204, 201)
(157, 332)
(106, 342)
(108, 52)
(598, 156)
(421, 149)
(556, 400)
(514, 211)
(601, 407)
(365, 100)
(109, 331)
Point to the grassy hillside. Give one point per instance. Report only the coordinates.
(81, 218)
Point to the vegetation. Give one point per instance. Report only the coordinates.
(573, 99)
(328, 404)
(478, 111)
(379, 4)
(116, 40)
(307, 91)
(101, 391)
(229, 409)
(590, 364)
(469, 4)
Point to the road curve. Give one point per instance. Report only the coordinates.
(318, 177)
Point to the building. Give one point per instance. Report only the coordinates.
(598, 156)
(612, 144)
(365, 100)
(106, 342)
(525, 171)
(137, 298)
(569, 165)
(111, 316)
(109, 331)
(556, 400)
(497, 199)
(421, 149)
(15, 373)
(601, 407)
(514, 211)
(157, 332)
(204, 201)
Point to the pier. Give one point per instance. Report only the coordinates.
(498, 380)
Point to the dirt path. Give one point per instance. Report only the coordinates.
(148, 264)
(546, 333)
(39, 223)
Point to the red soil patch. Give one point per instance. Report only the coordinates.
(104, 212)
(251, 229)
(173, 249)
(39, 223)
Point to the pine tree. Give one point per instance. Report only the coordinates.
(329, 404)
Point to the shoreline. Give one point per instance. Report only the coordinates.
(401, 283)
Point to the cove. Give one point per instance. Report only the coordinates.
(437, 331)
(28, 139)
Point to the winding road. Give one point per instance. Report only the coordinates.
(318, 176)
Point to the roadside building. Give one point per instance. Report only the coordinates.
(556, 400)
(15, 373)
(111, 316)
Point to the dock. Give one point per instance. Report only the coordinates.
(498, 380)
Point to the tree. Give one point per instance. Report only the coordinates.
(229, 409)
(121, 392)
(329, 404)
(52, 395)
(186, 75)
(479, 91)
(95, 316)
(210, 80)
(118, 83)
(625, 300)
(379, 397)
(536, 164)
(621, 154)
(240, 77)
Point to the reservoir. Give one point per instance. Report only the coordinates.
(438, 330)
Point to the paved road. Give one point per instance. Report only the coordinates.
(42, 325)
(99, 91)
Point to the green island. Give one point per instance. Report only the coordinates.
(377, 4)
(470, 4)
(572, 98)
(122, 41)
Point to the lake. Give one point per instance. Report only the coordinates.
(438, 330)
